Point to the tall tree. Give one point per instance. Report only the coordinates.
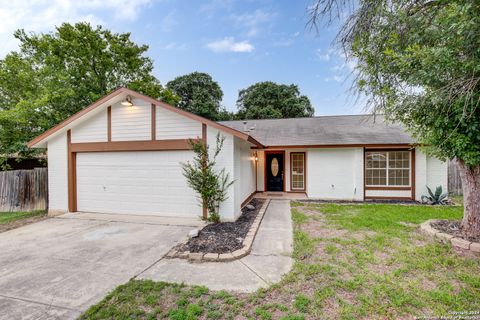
(56, 74)
(419, 62)
(199, 94)
(269, 100)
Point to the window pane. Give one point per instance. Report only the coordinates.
(376, 168)
(395, 163)
(399, 159)
(298, 164)
(399, 177)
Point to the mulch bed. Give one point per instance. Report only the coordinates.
(224, 237)
(452, 228)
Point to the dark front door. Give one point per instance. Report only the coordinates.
(274, 171)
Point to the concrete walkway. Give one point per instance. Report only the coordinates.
(269, 260)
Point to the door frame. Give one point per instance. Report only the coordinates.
(282, 152)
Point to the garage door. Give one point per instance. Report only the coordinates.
(144, 183)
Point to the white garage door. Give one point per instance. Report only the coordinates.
(144, 183)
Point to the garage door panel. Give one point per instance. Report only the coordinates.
(148, 183)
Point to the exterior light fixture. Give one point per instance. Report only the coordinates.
(255, 155)
(127, 102)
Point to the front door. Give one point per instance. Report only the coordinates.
(274, 168)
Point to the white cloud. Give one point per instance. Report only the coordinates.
(43, 15)
(336, 78)
(228, 44)
(169, 22)
(175, 46)
(252, 23)
(210, 7)
(324, 55)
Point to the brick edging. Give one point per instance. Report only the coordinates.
(224, 257)
(456, 242)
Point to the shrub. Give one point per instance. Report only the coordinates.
(201, 176)
(435, 198)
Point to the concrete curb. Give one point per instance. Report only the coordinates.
(198, 257)
(458, 243)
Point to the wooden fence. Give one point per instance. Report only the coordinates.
(24, 190)
(454, 181)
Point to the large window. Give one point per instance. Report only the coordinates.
(298, 171)
(387, 168)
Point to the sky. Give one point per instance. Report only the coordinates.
(237, 42)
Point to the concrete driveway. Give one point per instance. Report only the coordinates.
(57, 268)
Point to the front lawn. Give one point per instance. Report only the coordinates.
(351, 261)
(9, 217)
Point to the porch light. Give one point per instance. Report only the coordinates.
(255, 156)
(127, 102)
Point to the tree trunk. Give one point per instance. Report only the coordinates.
(470, 226)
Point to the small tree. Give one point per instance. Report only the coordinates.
(210, 185)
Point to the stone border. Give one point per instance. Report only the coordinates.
(224, 257)
(456, 242)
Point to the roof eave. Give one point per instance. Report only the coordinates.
(34, 143)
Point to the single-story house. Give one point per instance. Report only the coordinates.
(122, 155)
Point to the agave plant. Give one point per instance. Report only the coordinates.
(435, 198)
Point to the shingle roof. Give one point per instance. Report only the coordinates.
(324, 130)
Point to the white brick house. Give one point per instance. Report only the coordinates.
(125, 159)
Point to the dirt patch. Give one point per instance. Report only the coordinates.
(21, 223)
(224, 237)
(452, 228)
(317, 228)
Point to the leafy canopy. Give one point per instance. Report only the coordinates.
(268, 100)
(57, 74)
(419, 62)
(199, 94)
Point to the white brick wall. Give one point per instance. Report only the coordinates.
(335, 173)
(93, 129)
(132, 123)
(58, 174)
(225, 160)
(170, 125)
(244, 167)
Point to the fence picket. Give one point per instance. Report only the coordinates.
(454, 181)
(24, 190)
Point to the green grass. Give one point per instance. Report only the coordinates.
(351, 261)
(8, 217)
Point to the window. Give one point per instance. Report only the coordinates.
(387, 168)
(297, 161)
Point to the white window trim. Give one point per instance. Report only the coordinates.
(387, 168)
(292, 174)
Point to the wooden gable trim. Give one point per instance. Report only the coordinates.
(137, 95)
(109, 123)
(74, 117)
(154, 121)
(144, 145)
(72, 174)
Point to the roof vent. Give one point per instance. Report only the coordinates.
(247, 129)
